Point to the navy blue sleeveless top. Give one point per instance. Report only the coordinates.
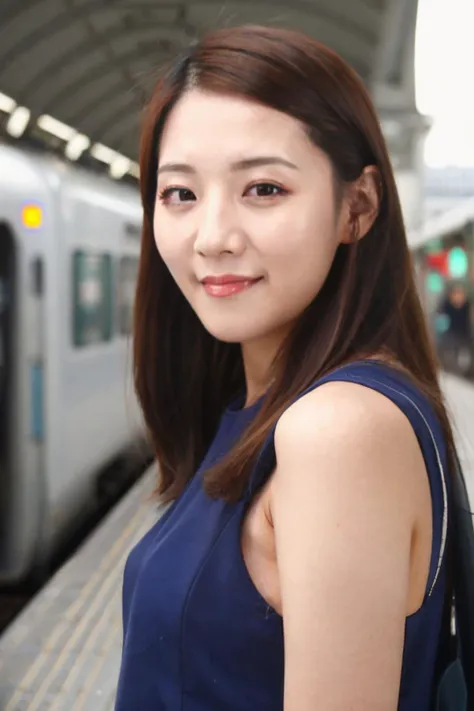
(198, 636)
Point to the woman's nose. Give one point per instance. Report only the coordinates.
(218, 231)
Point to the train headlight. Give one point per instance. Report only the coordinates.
(32, 216)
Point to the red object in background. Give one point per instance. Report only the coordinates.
(438, 262)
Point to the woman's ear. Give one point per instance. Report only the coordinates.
(362, 203)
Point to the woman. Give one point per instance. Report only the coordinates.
(290, 391)
(455, 341)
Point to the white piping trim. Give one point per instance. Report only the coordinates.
(444, 530)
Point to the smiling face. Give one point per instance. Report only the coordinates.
(245, 218)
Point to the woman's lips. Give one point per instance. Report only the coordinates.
(228, 284)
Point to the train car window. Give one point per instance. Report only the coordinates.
(126, 282)
(445, 271)
(37, 277)
(92, 298)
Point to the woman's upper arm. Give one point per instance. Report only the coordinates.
(342, 507)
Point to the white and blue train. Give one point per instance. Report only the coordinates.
(69, 245)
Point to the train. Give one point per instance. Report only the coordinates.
(443, 256)
(69, 251)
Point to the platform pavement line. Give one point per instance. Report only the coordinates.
(87, 648)
(112, 578)
(20, 635)
(115, 552)
(115, 628)
(61, 627)
(53, 637)
(82, 698)
(110, 617)
(82, 626)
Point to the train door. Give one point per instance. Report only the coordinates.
(7, 361)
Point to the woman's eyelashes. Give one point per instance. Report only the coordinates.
(262, 191)
(266, 190)
(175, 195)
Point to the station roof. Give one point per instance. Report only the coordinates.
(92, 63)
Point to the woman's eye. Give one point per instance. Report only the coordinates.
(176, 196)
(266, 190)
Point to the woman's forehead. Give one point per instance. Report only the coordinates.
(204, 125)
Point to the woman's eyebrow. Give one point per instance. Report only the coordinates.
(176, 168)
(258, 161)
(243, 164)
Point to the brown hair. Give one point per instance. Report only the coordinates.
(184, 377)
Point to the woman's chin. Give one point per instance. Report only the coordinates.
(229, 331)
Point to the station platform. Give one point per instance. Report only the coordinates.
(460, 401)
(63, 651)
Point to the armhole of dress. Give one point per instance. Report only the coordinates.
(444, 526)
(444, 488)
(379, 387)
(267, 459)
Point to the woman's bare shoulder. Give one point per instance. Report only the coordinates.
(341, 408)
(343, 506)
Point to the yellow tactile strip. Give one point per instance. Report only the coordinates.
(61, 671)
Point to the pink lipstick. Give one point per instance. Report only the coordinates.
(227, 284)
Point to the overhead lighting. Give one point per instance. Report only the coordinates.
(119, 167)
(134, 169)
(56, 128)
(76, 146)
(7, 104)
(18, 121)
(104, 154)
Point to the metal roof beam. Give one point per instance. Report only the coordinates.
(155, 53)
(395, 55)
(92, 63)
(367, 32)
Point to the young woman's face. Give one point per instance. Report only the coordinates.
(245, 215)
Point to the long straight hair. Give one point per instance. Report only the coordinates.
(184, 377)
